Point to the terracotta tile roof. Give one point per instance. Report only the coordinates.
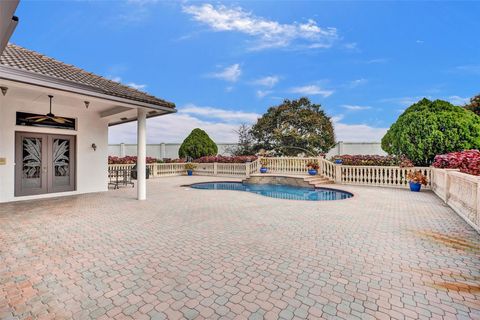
(17, 57)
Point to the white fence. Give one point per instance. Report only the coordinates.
(170, 150)
(461, 192)
(361, 175)
(379, 176)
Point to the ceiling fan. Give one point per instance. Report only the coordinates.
(49, 116)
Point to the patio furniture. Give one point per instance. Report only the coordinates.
(120, 177)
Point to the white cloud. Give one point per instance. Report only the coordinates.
(266, 33)
(375, 61)
(404, 101)
(221, 114)
(408, 101)
(269, 81)
(114, 78)
(220, 124)
(356, 132)
(357, 82)
(263, 93)
(312, 90)
(468, 69)
(355, 107)
(130, 84)
(137, 86)
(458, 101)
(173, 128)
(230, 73)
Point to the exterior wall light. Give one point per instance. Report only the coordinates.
(94, 147)
(4, 90)
(87, 103)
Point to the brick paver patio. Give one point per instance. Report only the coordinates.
(183, 253)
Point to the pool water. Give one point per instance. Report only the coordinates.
(278, 191)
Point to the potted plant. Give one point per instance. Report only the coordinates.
(338, 160)
(190, 167)
(312, 167)
(263, 165)
(416, 179)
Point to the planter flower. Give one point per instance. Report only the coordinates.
(190, 167)
(263, 164)
(416, 179)
(312, 167)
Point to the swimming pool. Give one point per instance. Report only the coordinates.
(278, 191)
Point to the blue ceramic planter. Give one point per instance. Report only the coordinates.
(338, 161)
(312, 172)
(263, 170)
(415, 186)
(189, 172)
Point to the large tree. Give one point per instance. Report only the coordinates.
(474, 104)
(428, 128)
(198, 144)
(293, 127)
(245, 145)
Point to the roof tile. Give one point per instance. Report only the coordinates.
(17, 57)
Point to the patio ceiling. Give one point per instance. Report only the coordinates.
(114, 112)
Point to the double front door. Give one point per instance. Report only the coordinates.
(44, 163)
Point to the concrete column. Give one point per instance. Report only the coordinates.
(122, 150)
(340, 148)
(162, 150)
(141, 154)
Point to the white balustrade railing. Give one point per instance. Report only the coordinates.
(460, 191)
(287, 165)
(379, 176)
(328, 169)
(231, 169)
(166, 169)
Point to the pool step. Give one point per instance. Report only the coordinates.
(316, 181)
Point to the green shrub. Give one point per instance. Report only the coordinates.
(428, 128)
(198, 144)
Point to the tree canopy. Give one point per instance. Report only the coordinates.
(198, 144)
(293, 127)
(428, 128)
(474, 105)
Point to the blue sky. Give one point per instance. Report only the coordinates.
(225, 63)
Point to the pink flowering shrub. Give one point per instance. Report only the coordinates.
(128, 160)
(224, 159)
(467, 161)
(374, 160)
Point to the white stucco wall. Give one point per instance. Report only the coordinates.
(171, 149)
(158, 151)
(91, 166)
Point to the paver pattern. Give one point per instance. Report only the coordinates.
(205, 254)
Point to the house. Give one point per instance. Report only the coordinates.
(54, 120)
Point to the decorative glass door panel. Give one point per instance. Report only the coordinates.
(62, 149)
(44, 163)
(31, 164)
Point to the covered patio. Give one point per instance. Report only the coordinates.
(385, 253)
(45, 104)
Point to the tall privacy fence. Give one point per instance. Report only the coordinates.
(459, 190)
